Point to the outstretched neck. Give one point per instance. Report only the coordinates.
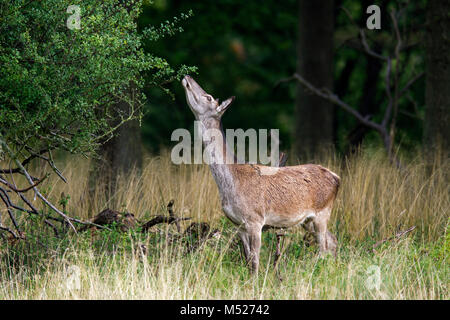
(218, 157)
(214, 141)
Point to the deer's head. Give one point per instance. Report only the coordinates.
(202, 104)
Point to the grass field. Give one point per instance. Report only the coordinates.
(375, 202)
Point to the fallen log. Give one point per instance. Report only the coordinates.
(124, 221)
(161, 219)
(127, 221)
(197, 234)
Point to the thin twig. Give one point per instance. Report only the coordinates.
(396, 237)
(11, 214)
(48, 203)
(13, 188)
(10, 231)
(410, 83)
(328, 95)
(362, 35)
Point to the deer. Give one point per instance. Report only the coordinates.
(251, 199)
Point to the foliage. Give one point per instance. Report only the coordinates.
(57, 84)
(60, 81)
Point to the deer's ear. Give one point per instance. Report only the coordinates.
(225, 104)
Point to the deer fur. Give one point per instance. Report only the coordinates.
(251, 198)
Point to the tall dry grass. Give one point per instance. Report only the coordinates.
(375, 198)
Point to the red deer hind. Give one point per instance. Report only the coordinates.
(251, 199)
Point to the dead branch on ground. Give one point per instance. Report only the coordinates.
(397, 237)
(9, 187)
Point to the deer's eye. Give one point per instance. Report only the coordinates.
(209, 98)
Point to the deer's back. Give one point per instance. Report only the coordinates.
(287, 191)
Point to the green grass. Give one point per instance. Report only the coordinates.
(110, 266)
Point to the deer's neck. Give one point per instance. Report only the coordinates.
(219, 157)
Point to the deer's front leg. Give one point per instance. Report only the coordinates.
(326, 240)
(251, 240)
(243, 234)
(320, 229)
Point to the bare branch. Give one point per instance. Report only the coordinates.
(35, 211)
(11, 214)
(328, 95)
(362, 35)
(10, 231)
(367, 48)
(50, 161)
(24, 163)
(410, 83)
(397, 33)
(13, 188)
(30, 180)
(51, 225)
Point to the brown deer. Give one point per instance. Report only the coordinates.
(251, 198)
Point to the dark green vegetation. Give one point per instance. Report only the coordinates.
(57, 84)
(245, 48)
(60, 83)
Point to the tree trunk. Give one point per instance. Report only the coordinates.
(314, 115)
(123, 152)
(437, 94)
(368, 103)
(120, 154)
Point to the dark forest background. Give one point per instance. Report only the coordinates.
(244, 48)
